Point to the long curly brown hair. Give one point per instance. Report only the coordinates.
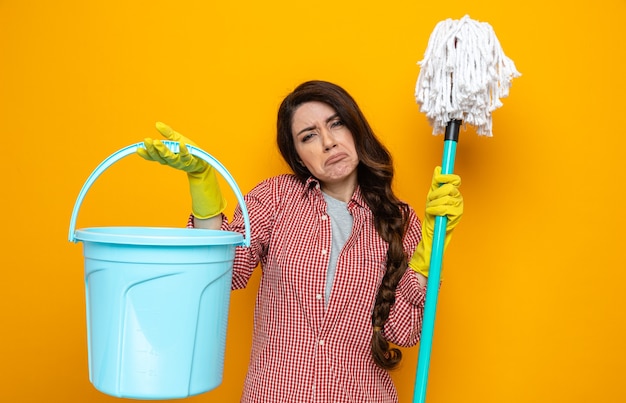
(375, 175)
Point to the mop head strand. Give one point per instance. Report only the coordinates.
(463, 75)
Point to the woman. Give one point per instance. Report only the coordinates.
(333, 242)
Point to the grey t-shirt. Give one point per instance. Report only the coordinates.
(341, 225)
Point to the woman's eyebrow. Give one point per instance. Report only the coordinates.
(328, 120)
(331, 118)
(306, 129)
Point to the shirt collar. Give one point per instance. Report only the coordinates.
(313, 185)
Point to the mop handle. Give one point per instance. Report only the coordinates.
(434, 272)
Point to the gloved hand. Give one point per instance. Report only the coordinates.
(206, 197)
(444, 199)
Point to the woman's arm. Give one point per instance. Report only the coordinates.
(208, 223)
(422, 280)
(206, 198)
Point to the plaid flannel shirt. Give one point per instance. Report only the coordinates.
(303, 350)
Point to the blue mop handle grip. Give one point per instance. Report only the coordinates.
(434, 272)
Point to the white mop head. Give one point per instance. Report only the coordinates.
(463, 75)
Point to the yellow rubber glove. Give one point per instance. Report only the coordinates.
(206, 196)
(444, 199)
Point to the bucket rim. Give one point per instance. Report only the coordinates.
(158, 236)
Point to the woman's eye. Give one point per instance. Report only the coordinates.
(337, 123)
(307, 137)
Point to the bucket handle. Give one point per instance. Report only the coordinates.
(174, 146)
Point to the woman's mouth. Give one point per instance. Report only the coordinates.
(335, 158)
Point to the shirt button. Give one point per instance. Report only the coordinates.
(324, 217)
(324, 252)
(319, 296)
(321, 342)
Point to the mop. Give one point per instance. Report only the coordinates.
(462, 77)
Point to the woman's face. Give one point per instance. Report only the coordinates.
(324, 144)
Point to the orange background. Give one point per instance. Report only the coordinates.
(532, 308)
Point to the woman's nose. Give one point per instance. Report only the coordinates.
(327, 140)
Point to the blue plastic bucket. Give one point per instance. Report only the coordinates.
(157, 300)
